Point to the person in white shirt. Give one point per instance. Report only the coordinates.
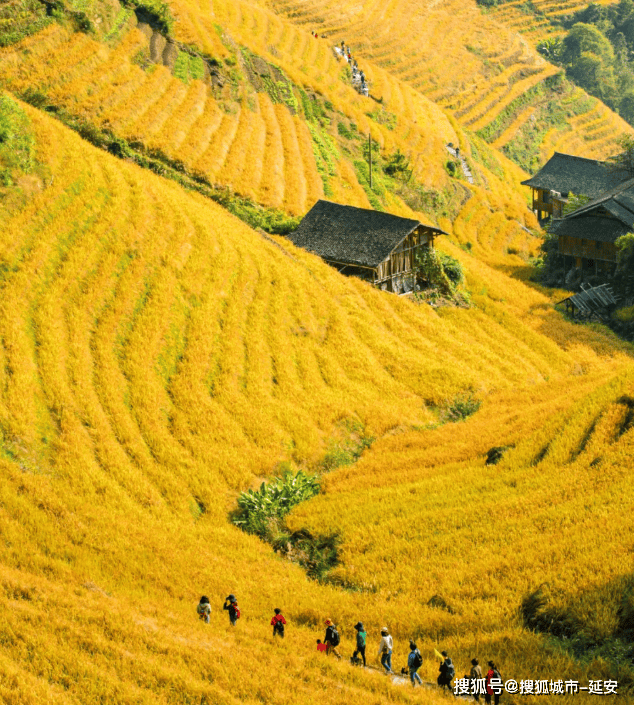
(385, 650)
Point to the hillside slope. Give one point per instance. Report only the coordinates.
(157, 354)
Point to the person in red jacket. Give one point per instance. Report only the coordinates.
(491, 688)
(278, 622)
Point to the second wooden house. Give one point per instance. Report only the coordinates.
(564, 174)
(587, 236)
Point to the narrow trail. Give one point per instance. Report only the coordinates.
(465, 167)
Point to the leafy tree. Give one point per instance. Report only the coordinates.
(586, 39)
(590, 72)
(626, 107)
(625, 247)
(624, 160)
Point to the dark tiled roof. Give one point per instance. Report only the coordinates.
(569, 174)
(352, 235)
(619, 202)
(589, 227)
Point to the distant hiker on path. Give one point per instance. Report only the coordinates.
(361, 640)
(278, 623)
(231, 605)
(414, 662)
(475, 674)
(385, 651)
(204, 609)
(332, 638)
(493, 683)
(447, 672)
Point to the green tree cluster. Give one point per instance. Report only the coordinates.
(597, 53)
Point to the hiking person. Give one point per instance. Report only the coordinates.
(332, 638)
(447, 672)
(361, 640)
(414, 662)
(475, 674)
(231, 605)
(278, 622)
(493, 674)
(204, 609)
(385, 651)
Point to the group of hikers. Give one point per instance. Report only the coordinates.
(487, 686)
(358, 77)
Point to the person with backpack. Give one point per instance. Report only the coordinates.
(231, 605)
(332, 638)
(490, 687)
(361, 641)
(414, 662)
(447, 672)
(475, 674)
(385, 651)
(278, 622)
(204, 609)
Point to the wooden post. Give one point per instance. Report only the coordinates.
(370, 154)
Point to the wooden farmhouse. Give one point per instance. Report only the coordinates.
(376, 246)
(587, 235)
(564, 174)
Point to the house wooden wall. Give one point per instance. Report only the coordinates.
(587, 249)
(546, 204)
(398, 268)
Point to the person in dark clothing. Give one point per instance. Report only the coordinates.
(278, 623)
(332, 638)
(361, 641)
(446, 674)
(231, 605)
(414, 662)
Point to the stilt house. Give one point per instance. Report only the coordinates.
(564, 174)
(587, 235)
(378, 247)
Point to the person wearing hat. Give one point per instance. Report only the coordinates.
(447, 672)
(414, 662)
(475, 674)
(332, 638)
(361, 639)
(231, 605)
(385, 651)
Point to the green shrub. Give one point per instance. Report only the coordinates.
(460, 407)
(259, 510)
(452, 268)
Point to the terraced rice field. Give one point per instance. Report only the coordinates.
(473, 68)
(157, 355)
